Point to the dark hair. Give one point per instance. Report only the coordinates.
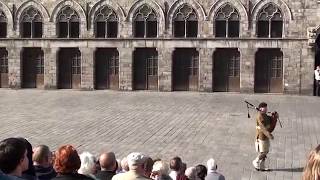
(31, 170)
(12, 150)
(263, 104)
(147, 165)
(175, 163)
(201, 171)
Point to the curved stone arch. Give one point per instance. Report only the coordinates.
(244, 17)
(6, 10)
(155, 6)
(112, 5)
(195, 5)
(31, 3)
(284, 8)
(44, 12)
(236, 4)
(77, 7)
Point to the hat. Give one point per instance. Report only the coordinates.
(212, 165)
(135, 159)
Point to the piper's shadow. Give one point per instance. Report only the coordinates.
(300, 169)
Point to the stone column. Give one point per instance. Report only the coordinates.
(14, 67)
(292, 70)
(165, 68)
(247, 64)
(50, 67)
(126, 64)
(307, 70)
(87, 68)
(205, 71)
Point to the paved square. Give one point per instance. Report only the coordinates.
(195, 126)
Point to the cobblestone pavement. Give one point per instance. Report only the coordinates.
(193, 125)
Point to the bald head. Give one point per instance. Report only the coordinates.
(108, 161)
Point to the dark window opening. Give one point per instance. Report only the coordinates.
(152, 28)
(139, 28)
(192, 29)
(112, 27)
(263, 28)
(37, 30)
(179, 29)
(233, 28)
(221, 30)
(63, 30)
(3, 61)
(74, 29)
(26, 29)
(100, 29)
(3, 29)
(276, 29)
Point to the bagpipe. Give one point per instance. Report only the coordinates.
(274, 115)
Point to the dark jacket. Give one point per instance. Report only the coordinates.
(105, 175)
(72, 176)
(44, 173)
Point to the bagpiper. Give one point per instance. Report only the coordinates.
(265, 124)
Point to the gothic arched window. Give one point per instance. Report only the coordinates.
(227, 22)
(145, 22)
(31, 23)
(185, 22)
(270, 22)
(3, 25)
(68, 23)
(106, 23)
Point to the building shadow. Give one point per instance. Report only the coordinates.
(300, 169)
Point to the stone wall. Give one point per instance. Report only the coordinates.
(298, 54)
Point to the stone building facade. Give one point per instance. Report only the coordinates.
(266, 46)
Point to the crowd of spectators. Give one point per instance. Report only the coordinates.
(19, 161)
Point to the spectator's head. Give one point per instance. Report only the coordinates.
(312, 169)
(88, 164)
(107, 161)
(67, 160)
(136, 161)
(175, 163)
(201, 171)
(191, 173)
(212, 165)
(42, 156)
(159, 169)
(147, 166)
(124, 164)
(13, 156)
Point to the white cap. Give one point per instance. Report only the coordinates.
(135, 159)
(211, 163)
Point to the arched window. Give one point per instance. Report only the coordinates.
(68, 23)
(3, 25)
(185, 22)
(106, 23)
(145, 22)
(227, 22)
(31, 23)
(270, 22)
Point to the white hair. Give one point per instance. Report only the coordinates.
(88, 163)
(191, 173)
(161, 167)
(212, 165)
